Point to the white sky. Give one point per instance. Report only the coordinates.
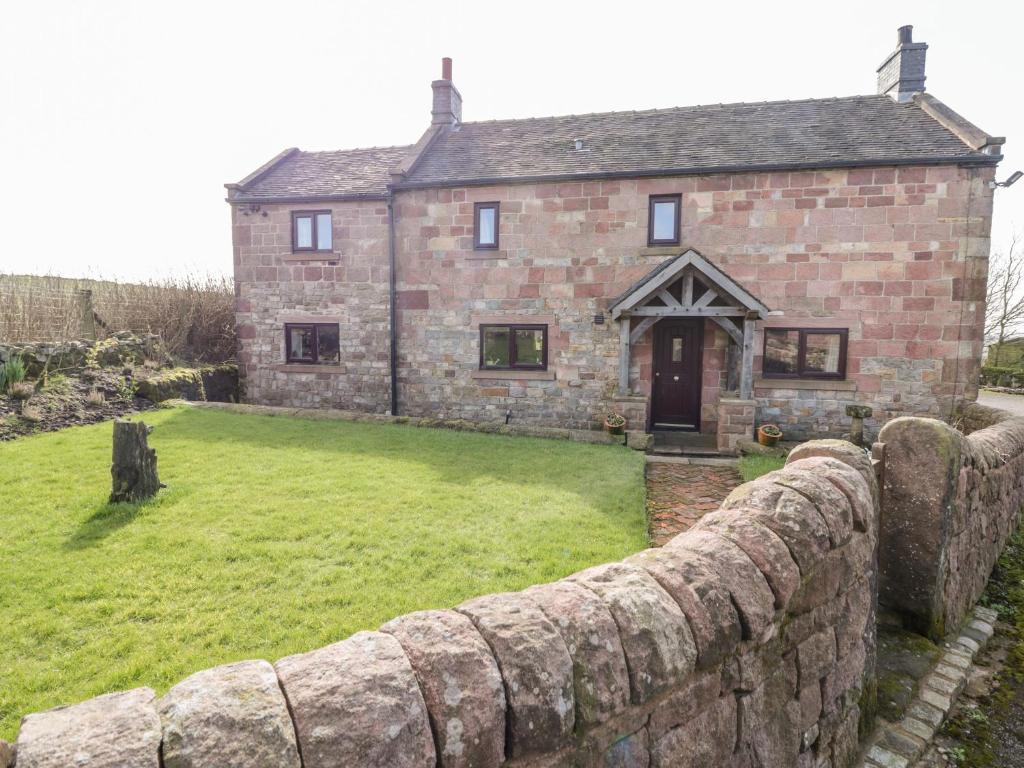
(120, 121)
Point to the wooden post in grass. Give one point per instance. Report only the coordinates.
(134, 465)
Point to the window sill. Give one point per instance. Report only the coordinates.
(333, 368)
(312, 256)
(834, 385)
(485, 254)
(661, 250)
(511, 375)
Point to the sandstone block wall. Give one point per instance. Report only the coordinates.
(348, 286)
(951, 502)
(747, 641)
(896, 255)
(735, 423)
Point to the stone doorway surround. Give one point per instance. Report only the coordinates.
(689, 286)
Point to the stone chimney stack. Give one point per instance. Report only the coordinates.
(902, 73)
(447, 109)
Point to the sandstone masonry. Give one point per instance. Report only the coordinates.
(896, 255)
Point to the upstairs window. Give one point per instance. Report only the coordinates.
(514, 347)
(663, 220)
(485, 226)
(804, 353)
(312, 343)
(311, 231)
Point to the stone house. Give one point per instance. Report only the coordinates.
(700, 269)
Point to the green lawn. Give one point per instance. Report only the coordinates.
(275, 536)
(754, 465)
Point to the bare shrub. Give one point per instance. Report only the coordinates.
(21, 390)
(95, 399)
(194, 315)
(31, 413)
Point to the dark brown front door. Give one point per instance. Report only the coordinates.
(678, 348)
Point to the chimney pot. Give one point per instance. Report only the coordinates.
(901, 75)
(446, 108)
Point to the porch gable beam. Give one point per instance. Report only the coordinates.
(730, 327)
(709, 296)
(641, 329)
(688, 288)
(668, 298)
(647, 311)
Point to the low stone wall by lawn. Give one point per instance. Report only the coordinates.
(747, 641)
(209, 382)
(459, 425)
(951, 501)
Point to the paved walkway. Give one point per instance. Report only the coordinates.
(678, 495)
(1012, 403)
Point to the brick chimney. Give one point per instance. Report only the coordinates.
(902, 73)
(447, 108)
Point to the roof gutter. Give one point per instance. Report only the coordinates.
(347, 198)
(976, 160)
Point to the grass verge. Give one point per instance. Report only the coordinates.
(982, 731)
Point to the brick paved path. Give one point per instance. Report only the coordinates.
(678, 495)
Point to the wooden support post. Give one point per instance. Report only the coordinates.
(747, 360)
(133, 469)
(87, 322)
(732, 366)
(624, 355)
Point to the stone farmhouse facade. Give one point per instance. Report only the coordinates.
(699, 268)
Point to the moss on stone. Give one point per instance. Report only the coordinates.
(186, 383)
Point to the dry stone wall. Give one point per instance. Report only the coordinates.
(951, 502)
(747, 641)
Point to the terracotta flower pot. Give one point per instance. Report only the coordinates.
(766, 439)
(615, 429)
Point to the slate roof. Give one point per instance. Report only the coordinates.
(353, 172)
(813, 133)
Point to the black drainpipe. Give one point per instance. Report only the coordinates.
(392, 300)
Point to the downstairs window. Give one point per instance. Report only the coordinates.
(804, 353)
(312, 343)
(514, 347)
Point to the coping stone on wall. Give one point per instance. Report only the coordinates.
(461, 685)
(390, 727)
(109, 731)
(213, 716)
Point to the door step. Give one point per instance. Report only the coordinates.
(670, 443)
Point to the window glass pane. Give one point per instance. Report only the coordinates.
(485, 226)
(327, 344)
(664, 221)
(303, 232)
(323, 231)
(301, 341)
(496, 348)
(677, 350)
(780, 351)
(529, 346)
(822, 353)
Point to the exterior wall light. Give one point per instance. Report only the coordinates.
(1014, 178)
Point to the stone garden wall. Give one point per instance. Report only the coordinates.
(747, 641)
(951, 501)
(73, 355)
